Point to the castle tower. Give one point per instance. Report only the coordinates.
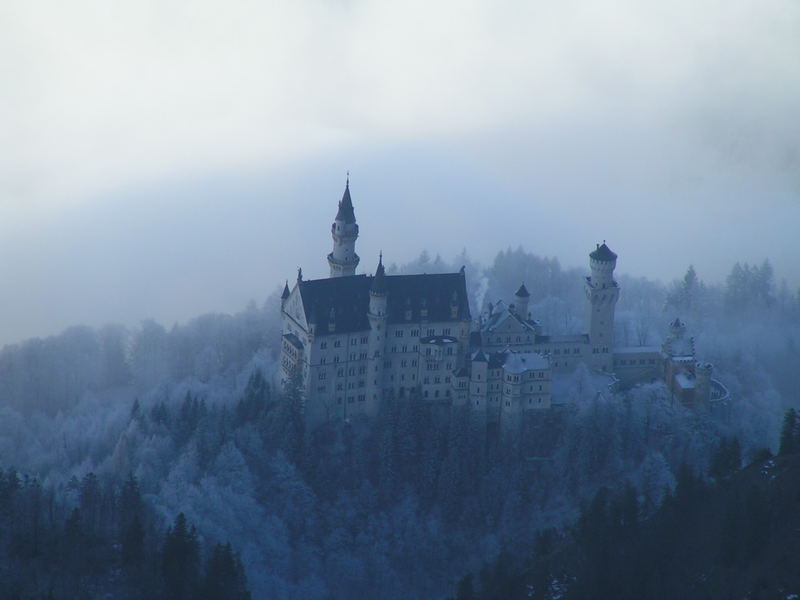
(344, 230)
(377, 315)
(521, 300)
(602, 293)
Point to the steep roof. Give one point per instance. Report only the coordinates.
(346, 212)
(349, 297)
(603, 253)
(286, 292)
(522, 292)
(379, 281)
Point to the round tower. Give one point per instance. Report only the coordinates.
(602, 293)
(521, 300)
(377, 315)
(344, 230)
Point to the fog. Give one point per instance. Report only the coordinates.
(166, 161)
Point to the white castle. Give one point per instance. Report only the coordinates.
(350, 341)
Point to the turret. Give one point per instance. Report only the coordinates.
(344, 230)
(602, 293)
(377, 315)
(285, 294)
(378, 291)
(521, 300)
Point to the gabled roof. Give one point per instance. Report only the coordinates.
(501, 313)
(349, 298)
(603, 253)
(346, 212)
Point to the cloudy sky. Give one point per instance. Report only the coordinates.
(166, 159)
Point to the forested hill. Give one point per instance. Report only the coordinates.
(397, 508)
(734, 536)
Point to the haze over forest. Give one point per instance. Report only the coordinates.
(167, 160)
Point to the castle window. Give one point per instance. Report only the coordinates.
(339, 387)
(349, 399)
(322, 360)
(413, 363)
(415, 333)
(426, 393)
(450, 352)
(322, 374)
(431, 331)
(321, 388)
(437, 380)
(351, 371)
(436, 394)
(337, 344)
(540, 388)
(362, 356)
(352, 356)
(339, 372)
(364, 340)
(362, 370)
(477, 402)
(362, 397)
(405, 348)
(394, 349)
(426, 380)
(508, 403)
(403, 363)
(323, 345)
(415, 348)
(353, 341)
(398, 333)
(350, 385)
(519, 339)
(446, 331)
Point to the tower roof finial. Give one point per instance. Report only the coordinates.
(346, 212)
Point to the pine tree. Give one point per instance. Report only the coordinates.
(180, 560)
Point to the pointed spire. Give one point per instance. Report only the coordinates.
(286, 292)
(522, 292)
(379, 281)
(299, 274)
(346, 212)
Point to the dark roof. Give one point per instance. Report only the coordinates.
(603, 253)
(379, 281)
(346, 212)
(522, 292)
(497, 359)
(285, 293)
(349, 297)
(480, 357)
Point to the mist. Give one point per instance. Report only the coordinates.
(164, 161)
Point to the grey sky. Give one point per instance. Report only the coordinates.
(167, 159)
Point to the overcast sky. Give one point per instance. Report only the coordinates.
(166, 159)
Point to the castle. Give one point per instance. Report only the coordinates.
(350, 340)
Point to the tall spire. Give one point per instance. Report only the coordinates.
(346, 212)
(379, 281)
(344, 260)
